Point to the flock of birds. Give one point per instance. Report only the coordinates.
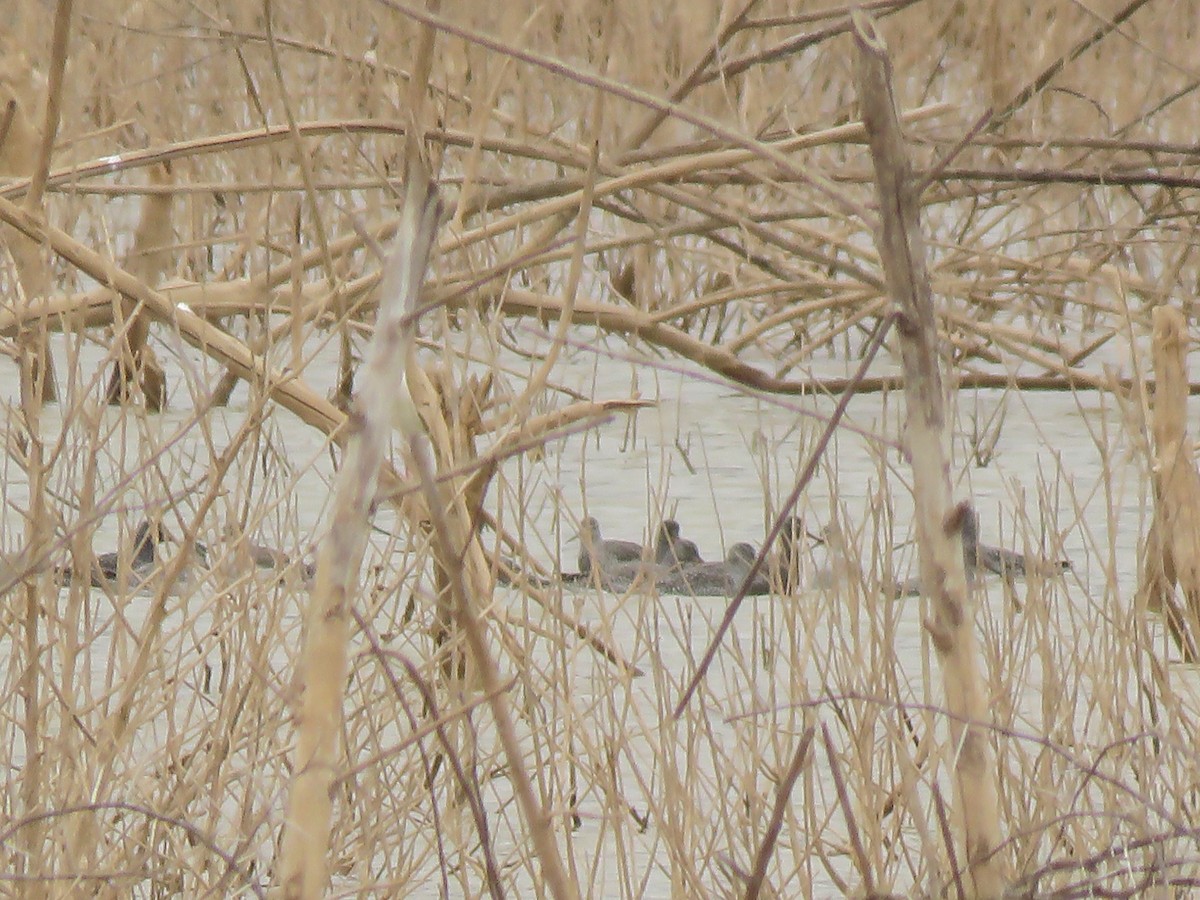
(141, 565)
(673, 564)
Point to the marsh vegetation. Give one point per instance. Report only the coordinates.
(654, 293)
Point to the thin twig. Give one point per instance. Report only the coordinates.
(783, 797)
(802, 481)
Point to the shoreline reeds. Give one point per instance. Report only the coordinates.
(687, 193)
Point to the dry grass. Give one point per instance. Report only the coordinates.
(682, 194)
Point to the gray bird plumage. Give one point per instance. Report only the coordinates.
(594, 550)
(670, 549)
(715, 579)
(999, 561)
(980, 558)
(108, 569)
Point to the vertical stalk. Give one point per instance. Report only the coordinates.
(37, 387)
(303, 870)
(36, 530)
(1174, 546)
(951, 627)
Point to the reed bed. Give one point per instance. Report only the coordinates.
(654, 278)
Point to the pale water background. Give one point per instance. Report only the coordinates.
(716, 458)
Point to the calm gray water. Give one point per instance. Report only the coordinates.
(717, 459)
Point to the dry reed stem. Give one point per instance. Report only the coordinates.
(37, 386)
(531, 433)
(273, 134)
(902, 250)
(635, 323)
(462, 556)
(304, 854)
(468, 784)
(115, 735)
(1048, 74)
(287, 390)
(22, 152)
(856, 844)
(688, 81)
(58, 62)
(783, 797)
(802, 481)
(19, 148)
(450, 526)
(1173, 548)
(304, 164)
(537, 382)
(757, 149)
(234, 298)
(148, 260)
(1051, 264)
(242, 298)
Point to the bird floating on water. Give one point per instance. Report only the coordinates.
(715, 579)
(980, 559)
(595, 551)
(671, 549)
(128, 570)
(999, 561)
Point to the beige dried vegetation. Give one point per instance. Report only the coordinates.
(205, 193)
